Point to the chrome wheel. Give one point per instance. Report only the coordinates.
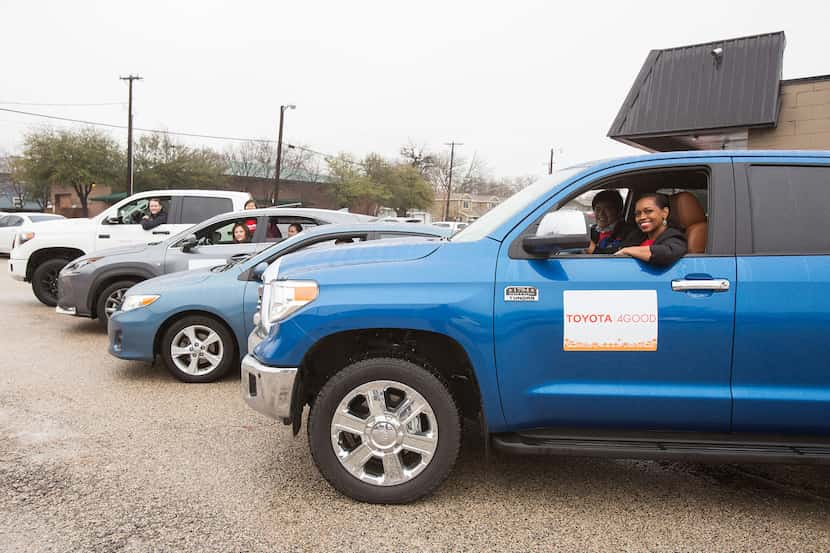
(384, 433)
(114, 301)
(197, 350)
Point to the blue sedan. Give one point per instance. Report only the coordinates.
(198, 321)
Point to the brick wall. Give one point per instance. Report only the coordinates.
(803, 120)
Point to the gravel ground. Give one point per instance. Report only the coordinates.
(98, 454)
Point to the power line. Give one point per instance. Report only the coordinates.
(174, 133)
(62, 105)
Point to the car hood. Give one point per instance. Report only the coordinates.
(170, 281)
(381, 251)
(123, 250)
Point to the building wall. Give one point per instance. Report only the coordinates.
(803, 119)
(66, 202)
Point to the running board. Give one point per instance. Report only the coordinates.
(668, 445)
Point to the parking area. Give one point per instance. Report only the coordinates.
(98, 454)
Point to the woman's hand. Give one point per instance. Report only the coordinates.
(622, 251)
(643, 253)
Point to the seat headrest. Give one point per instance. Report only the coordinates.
(686, 209)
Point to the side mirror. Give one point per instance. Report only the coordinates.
(189, 243)
(113, 220)
(259, 270)
(560, 230)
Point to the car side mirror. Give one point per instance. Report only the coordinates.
(113, 220)
(189, 243)
(557, 231)
(258, 271)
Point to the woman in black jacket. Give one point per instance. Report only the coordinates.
(659, 244)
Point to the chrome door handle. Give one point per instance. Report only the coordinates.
(711, 284)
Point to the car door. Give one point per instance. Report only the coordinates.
(122, 227)
(607, 341)
(215, 246)
(781, 374)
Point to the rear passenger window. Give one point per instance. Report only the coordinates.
(196, 210)
(787, 206)
(277, 226)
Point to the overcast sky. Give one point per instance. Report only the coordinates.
(508, 79)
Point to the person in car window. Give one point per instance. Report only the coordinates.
(157, 216)
(659, 244)
(611, 231)
(294, 228)
(241, 233)
(250, 223)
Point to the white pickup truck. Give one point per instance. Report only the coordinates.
(40, 252)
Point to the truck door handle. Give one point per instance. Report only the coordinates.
(709, 284)
(103, 236)
(161, 232)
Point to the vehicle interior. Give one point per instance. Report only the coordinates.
(687, 189)
(132, 212)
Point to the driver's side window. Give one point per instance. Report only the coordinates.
(132, 212)
(217, 234)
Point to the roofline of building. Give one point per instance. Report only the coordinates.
(806, 80)
(685, 132)
(721, 41)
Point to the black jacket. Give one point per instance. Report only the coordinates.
(623, 233)
(154, 221)
(667, 248)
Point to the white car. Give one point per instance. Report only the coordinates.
(40, 251)
(454, 226)
(10, 222)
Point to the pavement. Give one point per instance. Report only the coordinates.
(98, 454)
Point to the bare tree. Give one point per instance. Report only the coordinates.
(417, 156)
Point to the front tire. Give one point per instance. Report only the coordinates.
(110, 300)
(374, 431)
(45, 280)
(197, 348)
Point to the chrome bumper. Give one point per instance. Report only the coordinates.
(66, 310)
(268, 389)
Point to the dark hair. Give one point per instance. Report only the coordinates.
(250, 202)
(612, 197)
(297, 226)
(157, 200)
(245, 228)
(661, 200)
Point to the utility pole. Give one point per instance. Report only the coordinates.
(279, 153)
(130, 78)
(452, 146)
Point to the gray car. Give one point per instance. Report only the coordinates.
(94, 285)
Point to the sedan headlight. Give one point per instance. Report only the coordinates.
(138, 300)
(76, 266)
(281, 298)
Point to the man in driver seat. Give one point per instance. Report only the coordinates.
(610, 231)
(157, 216)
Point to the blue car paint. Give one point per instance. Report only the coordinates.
(224, 295)
(525, 378)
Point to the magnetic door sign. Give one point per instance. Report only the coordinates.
(610, 320)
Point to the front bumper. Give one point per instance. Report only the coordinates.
(132, 334)
(17, 268)
(72, 290)
(268, 390)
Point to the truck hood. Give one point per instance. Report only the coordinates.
(380, 251)
(160, 284)
(61, 226)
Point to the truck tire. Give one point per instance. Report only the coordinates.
(110, 299)
(45, 280)
(197, 348)
(374, 429)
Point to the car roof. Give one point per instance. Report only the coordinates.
(376, 226)
(196, 192)
(31, 213)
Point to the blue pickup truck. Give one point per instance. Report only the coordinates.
(723, 355)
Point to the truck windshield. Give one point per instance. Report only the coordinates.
(497, 216)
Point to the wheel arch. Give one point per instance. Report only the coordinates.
(105, 280)
(438, 353)
(39, 256)
(192, 312)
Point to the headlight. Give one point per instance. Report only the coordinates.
(281, 298)
(76, 266)
(23, 237)
(138, 300)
